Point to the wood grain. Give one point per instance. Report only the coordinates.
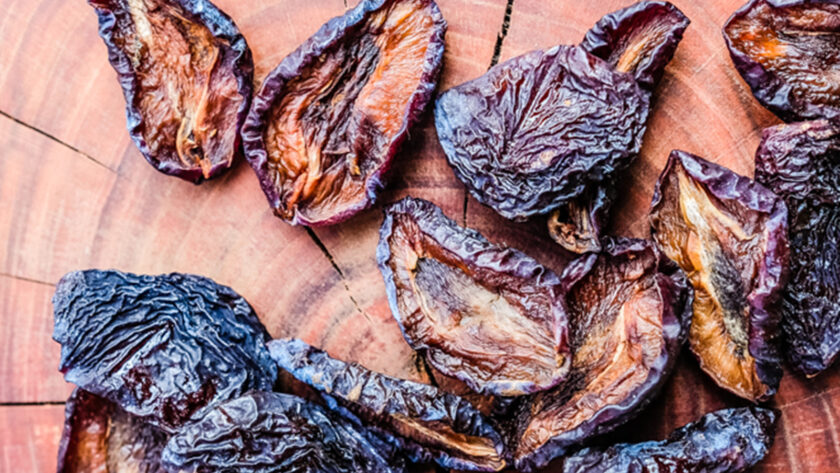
(75, 193)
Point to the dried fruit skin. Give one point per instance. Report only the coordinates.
(426, 423)
(729, 234)
(99, 437)
(163, 348)
(491, 317)
(801, 163)
(326, 123)
(186, 73)
(788, 52)
(629, 314)
(724, 441)
(275, 433)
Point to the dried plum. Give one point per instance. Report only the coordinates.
(420, 419)
(788, 52)
(725, 441)
(98, 437)
(326, 123)
(269, 432)
(489, 316)
(164, 348)
(729, 234)
(801, 163)
(629, 314)
(186, 73)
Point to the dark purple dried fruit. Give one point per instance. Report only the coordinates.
(629, 314)
(425, 422)
(328, 120)
(276, 433)
(491, 317)
(801, 163)
(186, 73)
(163, 348)
(729, 234)
(725, 441)
(577, 224)
(99, 437)
(788, 52)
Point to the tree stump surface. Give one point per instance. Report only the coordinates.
(75, 193)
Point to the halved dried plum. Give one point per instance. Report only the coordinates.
(420, 419)
(486, 315)
(629, 313)
(326, 123)
(164, 348)
(801, 163)
(729, 234)
(788, 52)
(725, 441)
(276, 433)
(99, 437)
(186, 73)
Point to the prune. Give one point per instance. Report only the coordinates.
(326, 123)
(578, 223)
(100, 437)
(186, 73)
(489, 316)
(788, 52)
(420, 419)
(163, 348)
(725, 441)
(729, 234)
(801, 163)
(629, 314)
(268, 432)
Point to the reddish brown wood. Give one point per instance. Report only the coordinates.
(29, 437)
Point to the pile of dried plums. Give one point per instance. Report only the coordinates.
(175, 373)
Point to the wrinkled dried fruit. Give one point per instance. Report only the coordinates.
(420, 419)
(788, 52)
(164, 348)
(276, 433)
(725, 441)
(491, 317)
(801, 163)
(629, 314)
(578, 223)
(729, 234)
(100, 437)
(328, 120)
(186, 73)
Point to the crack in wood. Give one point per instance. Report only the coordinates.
(23, 278)
(31, 404)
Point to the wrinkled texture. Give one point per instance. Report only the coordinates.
(729, 234)
(577, 224)
(491, 317)
(329, 119)
(99, 437)
(186, 73)
(801, 163)
(163, 348)
(725, 441)
(629, 314)
(276, 433)
(425, 422)
(788, 52)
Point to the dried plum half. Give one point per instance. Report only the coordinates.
(489, 316)
(729, 234)
(326, 123)
(801, 163)
(629, 313)
(788, 52)
(99, 437)
(163, 348)
(186, 73)
(276, 433)
(724, 441)
(428, 424)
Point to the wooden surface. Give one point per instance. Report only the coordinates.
(75, 193)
